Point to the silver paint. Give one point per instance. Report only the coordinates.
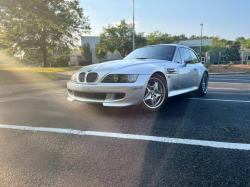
(180, 79)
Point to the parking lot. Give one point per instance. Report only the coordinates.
(46, 140)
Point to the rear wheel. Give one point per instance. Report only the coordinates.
(155, 94)
(202, 91)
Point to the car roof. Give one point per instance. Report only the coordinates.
(176, 45)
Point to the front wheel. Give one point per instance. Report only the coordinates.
(155, 93)
(202, 91)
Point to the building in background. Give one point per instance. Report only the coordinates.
(93, 40)
(195, 45)
(246, 55)
(75, 58)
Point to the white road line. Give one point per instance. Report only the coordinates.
(214, 144)
(225, 83)
(223, 88)
(231, 79)
(240, 101)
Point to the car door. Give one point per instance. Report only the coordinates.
(188, 75)
(195, 65)
(170, 69)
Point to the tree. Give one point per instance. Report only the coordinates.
(117, 38)
(193, 37)
(217, 45)
(41, 25)
(232, 53)
(246, 43)
(120, 38)
(240, 39)
(86, 53)
(229, 42)
(175, 38)
(157, 37)
(140, 40)
(99, 53)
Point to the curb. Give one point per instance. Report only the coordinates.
(16, 93)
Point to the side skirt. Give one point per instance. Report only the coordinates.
(182, 91)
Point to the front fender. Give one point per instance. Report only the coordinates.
(146, 69)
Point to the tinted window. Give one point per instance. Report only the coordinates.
(184, 54)
(194, 57)
(161, 52)
(178, 57)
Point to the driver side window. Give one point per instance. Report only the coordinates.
(184, 54)
(194, 57)
(178, 57)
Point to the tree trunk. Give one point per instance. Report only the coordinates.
(45, 60)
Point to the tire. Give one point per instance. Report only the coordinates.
(202, 91)
(155, 94)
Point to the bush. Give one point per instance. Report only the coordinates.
(248, 63)
(231, 63)
(210, 69)
(207, 65)
(84, 63)
(60, 62)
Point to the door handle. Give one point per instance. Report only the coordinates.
(195, 69)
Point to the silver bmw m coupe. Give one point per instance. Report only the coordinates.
(146, 77)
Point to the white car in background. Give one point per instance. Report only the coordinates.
(146, 77)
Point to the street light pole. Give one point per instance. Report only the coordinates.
(201, 38)
(133, 25)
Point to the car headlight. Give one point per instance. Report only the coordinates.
(73, 78)
(120, 78)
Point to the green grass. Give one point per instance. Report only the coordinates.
(248, 72)
(45, 70)
(31, 75)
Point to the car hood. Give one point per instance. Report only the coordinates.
(117, 64)
(135, 66)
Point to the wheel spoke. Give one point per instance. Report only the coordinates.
(158, 94)
(147, 97)
(149, 89)
(153, 100)
(155, 87)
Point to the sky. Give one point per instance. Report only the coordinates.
(227, 18)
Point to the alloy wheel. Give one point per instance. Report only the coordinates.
(204, 84)
(155, 93)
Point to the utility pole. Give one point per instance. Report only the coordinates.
(201, 39)
(133, 24)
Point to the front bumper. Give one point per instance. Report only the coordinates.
(133, 93)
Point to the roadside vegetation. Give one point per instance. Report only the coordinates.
(42, 70)
(31, 75)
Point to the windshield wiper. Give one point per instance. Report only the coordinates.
(141, 58)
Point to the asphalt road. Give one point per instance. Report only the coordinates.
(33, 157)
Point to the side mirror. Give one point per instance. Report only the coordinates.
(188, 61)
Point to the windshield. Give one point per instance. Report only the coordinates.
(161, 52)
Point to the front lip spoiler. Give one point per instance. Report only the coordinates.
(134, 92)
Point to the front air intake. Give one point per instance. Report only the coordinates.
(81, 77)
(91, 77)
